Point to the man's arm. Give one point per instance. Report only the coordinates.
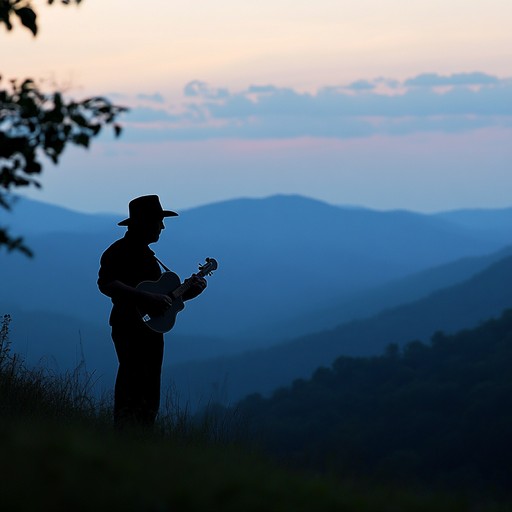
(153, 303)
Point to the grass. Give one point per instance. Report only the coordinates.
(52, 467)
(58, 451)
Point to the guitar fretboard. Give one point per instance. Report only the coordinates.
(185, 286)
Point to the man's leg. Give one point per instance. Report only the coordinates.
(150, 378)
(137, 390)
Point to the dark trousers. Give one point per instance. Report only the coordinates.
(137, 391)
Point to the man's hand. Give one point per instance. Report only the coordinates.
(155, 304)
(197, 286)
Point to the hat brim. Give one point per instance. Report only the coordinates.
(165, 213)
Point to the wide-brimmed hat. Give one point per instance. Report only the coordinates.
(146, 208)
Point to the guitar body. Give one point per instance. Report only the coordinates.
(167, 284)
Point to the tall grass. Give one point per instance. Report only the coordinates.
(38, 392)
(41, 393)
(59, 452)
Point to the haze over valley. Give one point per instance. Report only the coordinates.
(292, 272)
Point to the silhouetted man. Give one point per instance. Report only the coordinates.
(125, 264)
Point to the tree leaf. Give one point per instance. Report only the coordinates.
(81, 140)
(28, 18)
(5, 12)
(79, 119)
(33, 167)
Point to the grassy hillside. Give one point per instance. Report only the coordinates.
(62, 468)
(59, 453)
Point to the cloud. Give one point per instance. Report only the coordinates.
(467, 101)
(361, 85)
(150, 115)
(435, 80)
(262, 89)
(390, 83)
(198, 89)
(153, 98)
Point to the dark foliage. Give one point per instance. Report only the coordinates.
(23, 11)
(438, 413)
(35, 123)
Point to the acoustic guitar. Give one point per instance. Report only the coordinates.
(169, 284)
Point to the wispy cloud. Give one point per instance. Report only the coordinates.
(153, 98)
(428, 102)
(196, 89)
(433, 79)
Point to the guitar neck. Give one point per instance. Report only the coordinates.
(178, 292)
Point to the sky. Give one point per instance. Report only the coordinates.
(387, 104)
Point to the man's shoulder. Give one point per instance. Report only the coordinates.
(116, 247)
(127, 246)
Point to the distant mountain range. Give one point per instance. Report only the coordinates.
(463, 305)
(392, 294)
(288, 266)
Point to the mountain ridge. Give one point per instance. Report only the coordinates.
(277, 258)
(460, 306)
(277, 247)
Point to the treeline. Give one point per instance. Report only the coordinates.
(437, 413)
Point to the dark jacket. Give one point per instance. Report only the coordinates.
(129, 261)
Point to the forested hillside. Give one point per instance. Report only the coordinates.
(439, 412)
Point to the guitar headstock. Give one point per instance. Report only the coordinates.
(207, 268)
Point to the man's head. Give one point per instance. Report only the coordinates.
(146, 217)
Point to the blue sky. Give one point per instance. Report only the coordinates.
(387, 104)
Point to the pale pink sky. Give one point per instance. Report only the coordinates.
(284, 141)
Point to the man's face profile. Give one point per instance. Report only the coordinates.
(149, 230)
